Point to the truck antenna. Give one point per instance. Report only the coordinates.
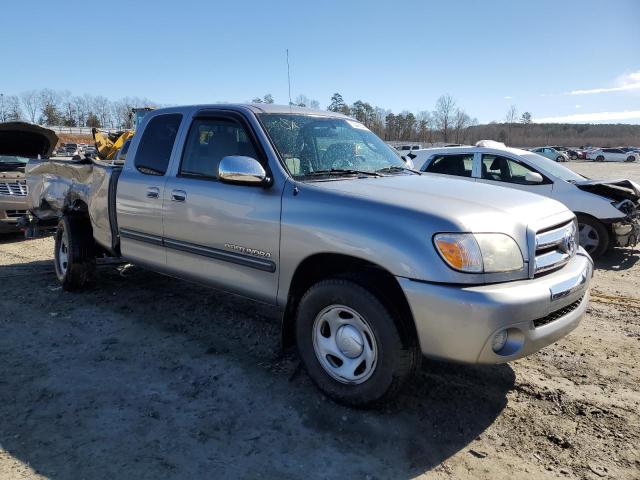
(289, 77)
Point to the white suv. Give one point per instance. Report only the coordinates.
(612, 155)
(608, 211)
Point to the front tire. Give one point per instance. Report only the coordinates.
(594, 237)
(559, 159)
(74, 256)
(631, 158)
(351, 345)
(599, 158)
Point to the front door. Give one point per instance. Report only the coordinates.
(508, 172)
(217, 233)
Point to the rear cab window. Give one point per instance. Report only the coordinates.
(460, 165)
(156, 144)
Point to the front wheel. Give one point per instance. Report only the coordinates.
(351, 345)
(631, 158)
(593, 236)
(599, 158)
(74, 257)
(560, 159)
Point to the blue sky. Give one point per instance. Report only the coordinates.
(396, 54)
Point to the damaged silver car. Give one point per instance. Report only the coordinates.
(19, 142)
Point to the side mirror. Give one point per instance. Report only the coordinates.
(533, 177)
(242, 170)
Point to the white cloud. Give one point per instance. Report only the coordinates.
(592, 117)
(578, 106)
(625, 83)
(507, 97)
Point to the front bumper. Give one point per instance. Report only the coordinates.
(458, 323)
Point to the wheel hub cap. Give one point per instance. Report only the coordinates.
(349, 341)
(344, 344)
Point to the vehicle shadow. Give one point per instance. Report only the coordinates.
(144, 376)
(618, 259)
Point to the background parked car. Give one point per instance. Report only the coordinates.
(608, 211)
(571, 153)
(612, 155)
(551, 153)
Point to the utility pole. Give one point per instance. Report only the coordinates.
(2, 115)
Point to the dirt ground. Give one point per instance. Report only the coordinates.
(144, 376)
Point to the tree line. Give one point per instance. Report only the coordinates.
(61, 108)
(448, 122)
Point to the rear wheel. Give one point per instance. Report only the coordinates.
(559, 159)
(593, 235)
(74, 257)
(351, 345)
(631, 158)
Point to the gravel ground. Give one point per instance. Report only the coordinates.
(144, 376)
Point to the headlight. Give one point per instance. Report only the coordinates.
(480, 252)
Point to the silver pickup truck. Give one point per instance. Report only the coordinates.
(373, 264)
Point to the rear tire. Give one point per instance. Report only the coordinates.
(560, 159)
(74, 256)
(631, 158)
(594, 237)
(351, 345)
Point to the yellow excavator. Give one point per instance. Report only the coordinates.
(108, 143)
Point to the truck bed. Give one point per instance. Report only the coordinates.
(59, 186)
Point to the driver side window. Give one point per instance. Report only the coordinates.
(503, 169)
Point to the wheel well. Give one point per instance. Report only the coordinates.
(367, 274)
(77, 207)
(607, 226)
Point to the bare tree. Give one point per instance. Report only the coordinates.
(81, 107)
(444, 115)
(510, 119)
(102, 109)
(512, 115)
(30, 104)
(304, 101)
(12, 110)
(461, 122)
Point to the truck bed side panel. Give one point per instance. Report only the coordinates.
(56, 187)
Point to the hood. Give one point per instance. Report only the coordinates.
(614, 189)
(26, 140)
(474, 206)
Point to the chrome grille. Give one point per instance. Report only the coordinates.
(15, 213)
(17, 188)
(555, 246)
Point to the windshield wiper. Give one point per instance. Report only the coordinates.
(343, 171)
(396, 168)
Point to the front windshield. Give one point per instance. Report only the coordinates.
(552, 167)
(13, 159)
(311, 144)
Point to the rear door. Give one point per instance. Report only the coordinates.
(509, 172)
(218, 233)
(140, 192)
(454, 164)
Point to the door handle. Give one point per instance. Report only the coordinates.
(153, 192)
(178, 195)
